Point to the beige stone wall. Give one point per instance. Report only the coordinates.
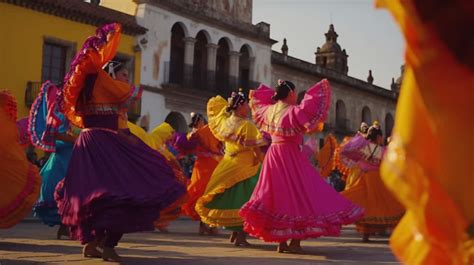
(224, 10)
(354, 99)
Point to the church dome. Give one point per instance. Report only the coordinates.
(331, 44)
(330, 47)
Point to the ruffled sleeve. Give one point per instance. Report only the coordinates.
(183, 144)
(217, 115)
(96, 51)
(285, 120)
(227, 127)
(260, 101)
(250, 136)
(207, 140)
(161, 134)
(140, 133)
(348, 154)
(45, 118)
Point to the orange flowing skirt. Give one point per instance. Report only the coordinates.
(367, 190)
(20, 181)
(202, 171)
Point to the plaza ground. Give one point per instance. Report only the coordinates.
(33, 243)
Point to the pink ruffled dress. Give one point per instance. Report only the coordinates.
(291, 199)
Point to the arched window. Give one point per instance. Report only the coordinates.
(341, 120)
(244, 68)
(200, 60)
(176, 65)
(222, 66)
(366, 115)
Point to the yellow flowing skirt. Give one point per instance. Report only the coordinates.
(230, 171)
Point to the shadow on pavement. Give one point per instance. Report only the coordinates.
(50, 248)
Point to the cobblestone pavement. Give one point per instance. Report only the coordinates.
(34, 243)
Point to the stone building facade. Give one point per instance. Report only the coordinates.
(353, 100)
(195, 49)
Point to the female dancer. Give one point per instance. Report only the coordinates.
(291, 200)
(208, 150)
(112, 185)
(343, 163)
(20, 179)
(365, 187)
(43, 135)
(234, 178)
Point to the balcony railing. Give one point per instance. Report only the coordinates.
(173, 74)
(206, 81)
(31, 92)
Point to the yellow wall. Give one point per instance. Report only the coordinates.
(22, 32)
(124, 6)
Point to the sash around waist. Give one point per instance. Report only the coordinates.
(99, 129)
(109, 122)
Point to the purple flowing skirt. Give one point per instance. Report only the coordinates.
(114, 183)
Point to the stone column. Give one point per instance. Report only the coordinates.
(211, 66)
(188, 61)
(234, 69)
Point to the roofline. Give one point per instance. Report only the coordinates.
(247, 30)
(316, 70)
(58, 9)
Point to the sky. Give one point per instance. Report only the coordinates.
(370, 36)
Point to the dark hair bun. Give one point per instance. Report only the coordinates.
(283, 89)
(373, 132)
(195, 118)
(235, 100)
